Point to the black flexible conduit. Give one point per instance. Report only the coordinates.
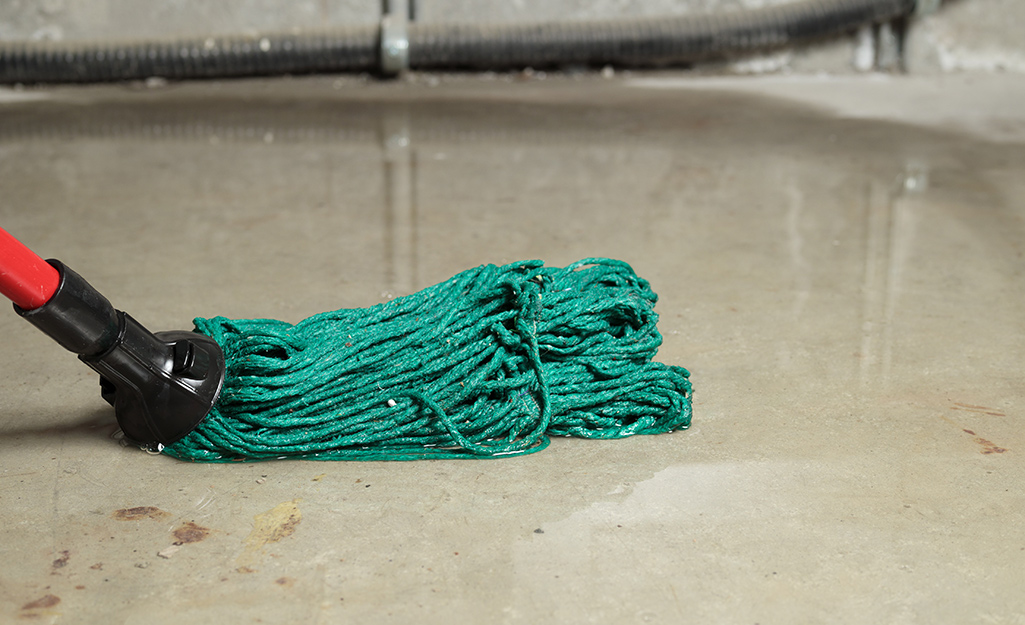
(632, 42)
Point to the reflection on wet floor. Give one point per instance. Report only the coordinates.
(599, 171)
(847, 294)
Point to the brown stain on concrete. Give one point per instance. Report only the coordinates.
(62, 561)
(46, 601)
(190, 533)
(139, 513)
(993, 412)
(988, 447)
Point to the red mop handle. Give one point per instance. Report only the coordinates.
(25, 279)
(161, 385)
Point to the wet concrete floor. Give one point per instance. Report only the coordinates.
(846, 291)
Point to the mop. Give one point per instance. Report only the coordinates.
(489, 363)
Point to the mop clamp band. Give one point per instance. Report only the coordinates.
(161, 385)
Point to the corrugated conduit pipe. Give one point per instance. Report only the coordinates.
(623, 42)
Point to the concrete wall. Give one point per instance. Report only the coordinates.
(526, 10)
(77, 20)
(980, 35)
(986, 35)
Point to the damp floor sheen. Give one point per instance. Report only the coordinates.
(839, 263)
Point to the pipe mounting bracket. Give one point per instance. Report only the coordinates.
(395, 38)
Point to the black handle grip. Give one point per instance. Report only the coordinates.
(161, 385)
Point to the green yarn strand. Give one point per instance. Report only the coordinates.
(491, 362)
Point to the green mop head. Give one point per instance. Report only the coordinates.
(488, 363)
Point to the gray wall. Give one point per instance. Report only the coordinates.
(963, 35)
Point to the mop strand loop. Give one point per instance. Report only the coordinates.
(491, 362)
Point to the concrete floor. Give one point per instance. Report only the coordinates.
(846, 289)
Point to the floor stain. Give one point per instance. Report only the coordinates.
(62, 561)
(274, 525)
(988, 447)
(285, 582)
(141, 512)
(269, 527)
(46, 601)
(993, 412)
(190, 533)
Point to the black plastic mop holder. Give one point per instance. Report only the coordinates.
(161, 385)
